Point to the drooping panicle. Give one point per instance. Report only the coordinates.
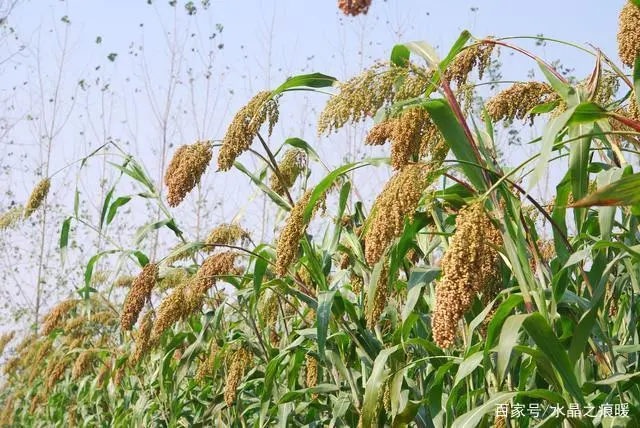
(629, 33)
(245, 126)
(470, 264)
(474, 56)
(290, 167)
(517, 101)
(398, 201)
(241, 359)
(138, 295)
(292, 233)
(185, 170)
(354, 7)
(37, 197)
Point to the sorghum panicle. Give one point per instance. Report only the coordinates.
(629, 33)
(354, 7)
(9, 219)
(226, 234)
(83, 364)
(478, 55)
(380, 299)
(143, 337)
(292, 233)
(398, 201)
(38, 195)
(290, 167)
(185, 170)
(138, 295)
(516, 101)
(470, 264)
(241, 359)
(54, 318)
(245, 126)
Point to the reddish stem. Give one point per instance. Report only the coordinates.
(527, 53)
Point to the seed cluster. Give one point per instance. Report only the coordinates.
(517, 101)
(56, 373)
(398, 201)
(38, 195)
(143, 338)
(226, 234)
(412, 134)
(207, 366)
(244, 127)
(188, 297)
(103, 373)
(354, 7)
(380, 299)
(172, 309)
(124, 281)
(241, 358)
(138, 295)
(185, 170)
(290, 167)
(470, 264)
(173, 278)
(311, 375)
(4, 341)
(54, 318)
(9, 219)
(629, 33)
(478, 55)
(361, 96)
(292, 233)
(83, 364)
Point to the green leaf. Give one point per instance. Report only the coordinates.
(113, 209)
(425, 51)
(328, 181)
(313, 80)
(400, 55)
(606, 214)
(508, 339)
(452, 131)
(64, 233)
(565, 90)
(473, 417)
(457, 47)
(325, 301)
(142, 258)
(304, 146)
(621, 192)
(372, 388)
(88, 272)
(620, 377)
(503, 311)
(342, 204)
(587, 112)
(467, 367)
(258, 274)
(105, 205)
(320, 389)
(549, 136)
(258, 182)
(418, 279)
(579, 167)
(539, 330)
(144, 230)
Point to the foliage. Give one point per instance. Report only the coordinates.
(461, 303)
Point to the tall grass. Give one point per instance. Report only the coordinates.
(454, 292)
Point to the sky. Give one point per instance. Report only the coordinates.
(80, 72)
